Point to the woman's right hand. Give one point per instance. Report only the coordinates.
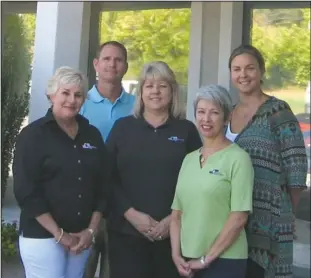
(183, 267)
(142, 222)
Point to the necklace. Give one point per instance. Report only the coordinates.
(204, 157)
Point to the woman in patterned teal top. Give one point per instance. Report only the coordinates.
(267, 129)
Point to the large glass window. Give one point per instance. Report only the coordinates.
(150, 35)
(283, 36)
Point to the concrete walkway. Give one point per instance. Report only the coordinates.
(14, 268)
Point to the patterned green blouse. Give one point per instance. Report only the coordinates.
(275, 144)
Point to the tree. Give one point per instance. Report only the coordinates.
(281, 34)
(14, 89)
(285, 45)
(29, 25)
(151, 35)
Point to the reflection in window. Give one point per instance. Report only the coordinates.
(150, 35)
(283, 36)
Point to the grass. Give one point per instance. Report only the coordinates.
(295, 97)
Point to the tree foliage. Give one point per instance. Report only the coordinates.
(151, 35)
(283, 36)
(14, 88)
(285, 44)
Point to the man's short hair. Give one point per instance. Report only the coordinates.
(114, 43)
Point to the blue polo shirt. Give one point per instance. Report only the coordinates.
(102, 113)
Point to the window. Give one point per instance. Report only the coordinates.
(283, 36)
(146, 35)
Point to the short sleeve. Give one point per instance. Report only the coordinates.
(242, 183)
(286, 129)
(176, 205)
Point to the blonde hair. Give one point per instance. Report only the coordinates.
(66, 76)
(159, 70)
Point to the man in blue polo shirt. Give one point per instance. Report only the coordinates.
(107, 101)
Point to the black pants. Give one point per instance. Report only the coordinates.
(135, 257)
(224, 268)
(254, 270)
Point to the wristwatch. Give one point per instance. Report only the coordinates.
(92, 234)
(202, 260)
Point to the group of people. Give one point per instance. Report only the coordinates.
(129, 178)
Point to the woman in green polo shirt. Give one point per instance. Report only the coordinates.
(213, 197)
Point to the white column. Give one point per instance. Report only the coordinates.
(216, 29)
(195, 55)
(62, 37)
(231, 26)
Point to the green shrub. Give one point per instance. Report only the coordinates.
(9, 240)
(14, 89)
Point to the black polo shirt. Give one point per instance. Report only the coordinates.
(147, 161)
(60, 175)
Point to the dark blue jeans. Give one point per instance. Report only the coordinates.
(224, 268)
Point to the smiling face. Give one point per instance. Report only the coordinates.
(246, 74)
(209, 119)
(67, 101)
(111, 65)
(156, 94)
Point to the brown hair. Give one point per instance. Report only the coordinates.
(114, 43)
(251, 50)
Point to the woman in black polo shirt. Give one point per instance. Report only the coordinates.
(147, 150)
(60, 173)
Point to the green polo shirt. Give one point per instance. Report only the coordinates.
(207, 195)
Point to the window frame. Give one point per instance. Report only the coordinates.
(249, 6)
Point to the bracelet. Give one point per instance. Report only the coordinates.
(61, 235)
(202, 260)
(91, 231)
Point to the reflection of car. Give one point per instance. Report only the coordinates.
(305, 126)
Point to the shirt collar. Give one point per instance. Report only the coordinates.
(49, 117)
(142, 121)
(96, 97)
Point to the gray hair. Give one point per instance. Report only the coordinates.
(66, 76)
(159, 70)
(217, 94)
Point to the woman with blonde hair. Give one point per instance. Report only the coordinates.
(60, 174)
(147, 150)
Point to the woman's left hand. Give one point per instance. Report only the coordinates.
(161, 230)
(84, 241)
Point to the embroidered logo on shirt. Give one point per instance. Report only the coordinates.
(88, 146)
(175, 139)
(215, 172)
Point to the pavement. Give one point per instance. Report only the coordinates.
(14, 268)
